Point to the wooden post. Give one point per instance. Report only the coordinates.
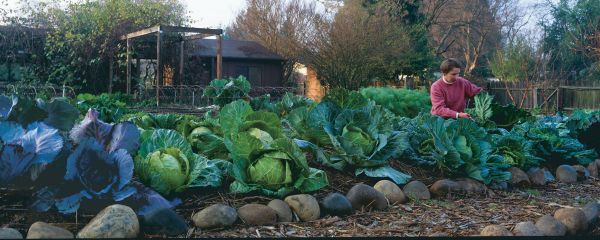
(535, 97)
(558, 98)
(158, 66)
(219, 58)
(110, 73)
(181, 46)
(128, 66)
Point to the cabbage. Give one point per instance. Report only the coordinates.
(166, 163)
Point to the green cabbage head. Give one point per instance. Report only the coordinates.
(360, 138)
(170, 168)
(272, 170)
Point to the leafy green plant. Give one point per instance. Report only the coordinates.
(457, 147)
(166, 163)
(224, 91)
(264, 160)
(402, 102)
(552, 141)
(516, 150)
(110, 109)
(349, 132)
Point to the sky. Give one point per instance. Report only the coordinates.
(220, 13)
(214, 13)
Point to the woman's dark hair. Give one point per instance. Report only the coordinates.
(449, 64)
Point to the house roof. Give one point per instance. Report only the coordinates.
(234, 49)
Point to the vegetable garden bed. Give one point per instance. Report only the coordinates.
(344, 156)
(459, 215)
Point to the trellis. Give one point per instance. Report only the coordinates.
(160, 31)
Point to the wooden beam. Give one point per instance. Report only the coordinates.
(128, 66)
(141, 32)
(111, 63)
(196, 36)
(158, 67)
(219, 58)
(191, 29)
(181, 57)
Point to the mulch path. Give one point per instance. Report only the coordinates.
(457, 215)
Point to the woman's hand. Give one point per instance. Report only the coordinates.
(464, 115)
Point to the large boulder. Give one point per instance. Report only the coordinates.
(164, 221)
(582, 172)
(10, 233)
(527, 229)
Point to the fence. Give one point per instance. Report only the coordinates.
(41, 91)
(191, 96)
(550, 96)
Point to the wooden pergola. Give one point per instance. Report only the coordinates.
(159, 31)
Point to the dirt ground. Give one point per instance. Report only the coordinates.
(459, 215)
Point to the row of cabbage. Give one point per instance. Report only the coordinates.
(260, 146)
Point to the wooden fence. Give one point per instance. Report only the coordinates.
(549, 97)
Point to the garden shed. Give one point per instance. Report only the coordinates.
(260, 66)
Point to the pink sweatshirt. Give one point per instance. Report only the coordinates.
(449, 99)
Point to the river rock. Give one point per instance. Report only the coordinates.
(527, 229)
(305, 206)
(10, 233)
(593, 169)
(46, 231)
(582, 172)
(257, 214)
(591, 211)
(391, 191)
(115, 221)
(441, 188)
(336, 204)
(215, 216)
(518, 177)
(417, 190)
(364, 196)
(495, 230)
(566, 174)
(573, 218)
(470, 186)
(537, 176)
(284, 213)
(164, 221)
(549, 226)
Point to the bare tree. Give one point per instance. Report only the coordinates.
(471, 29)
(284, 27)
